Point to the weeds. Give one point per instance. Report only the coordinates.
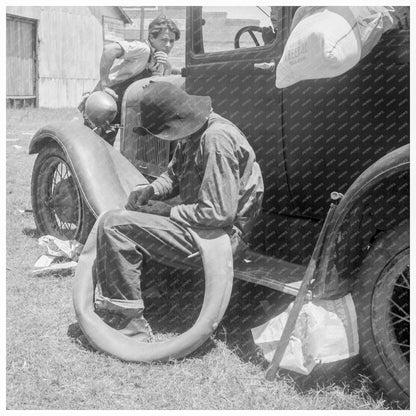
(49, 367)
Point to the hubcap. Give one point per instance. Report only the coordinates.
(64, 202)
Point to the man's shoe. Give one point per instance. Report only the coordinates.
(137, 328)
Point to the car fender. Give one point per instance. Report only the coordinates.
(328, 282)
(104, 176)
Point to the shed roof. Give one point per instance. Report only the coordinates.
(124, 15)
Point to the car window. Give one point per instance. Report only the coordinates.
(229, 28)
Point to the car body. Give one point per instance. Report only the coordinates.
(349, 134)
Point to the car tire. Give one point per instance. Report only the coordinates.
(57, 202)
(382, 300)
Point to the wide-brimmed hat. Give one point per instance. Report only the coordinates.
(169, 113)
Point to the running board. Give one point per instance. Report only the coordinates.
(271, 272)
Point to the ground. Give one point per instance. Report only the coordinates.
(49, 367)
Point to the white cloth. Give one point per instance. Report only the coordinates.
(57, 251)
(325, 331)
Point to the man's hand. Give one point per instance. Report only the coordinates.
(155, 208)
(139, 197)
(161, 57)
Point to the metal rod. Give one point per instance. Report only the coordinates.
(301, 296)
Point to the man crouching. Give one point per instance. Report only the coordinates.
(215, 173)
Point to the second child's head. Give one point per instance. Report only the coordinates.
(163, 33)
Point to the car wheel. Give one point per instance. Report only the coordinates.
(58, 207)
(382, 299)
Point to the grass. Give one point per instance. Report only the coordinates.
(48, 367)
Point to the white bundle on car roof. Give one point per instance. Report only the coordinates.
(327, 41)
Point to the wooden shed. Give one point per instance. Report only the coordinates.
(53, 53)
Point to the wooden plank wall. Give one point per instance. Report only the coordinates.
(20, 58)
(70, 46)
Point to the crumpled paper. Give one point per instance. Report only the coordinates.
(325, 331)
(57, 252)
(61, 248)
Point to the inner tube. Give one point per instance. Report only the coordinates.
(215, 250)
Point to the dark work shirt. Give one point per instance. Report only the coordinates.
(217, 178)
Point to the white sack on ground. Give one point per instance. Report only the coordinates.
(61, 248)
(325, 331)
(61, 254)
(328, 41)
